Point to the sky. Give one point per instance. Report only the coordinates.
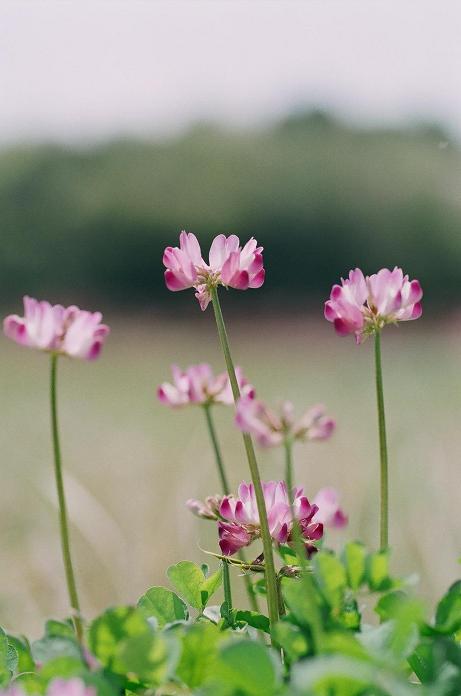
(86, 70)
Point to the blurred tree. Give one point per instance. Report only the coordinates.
(90, 225)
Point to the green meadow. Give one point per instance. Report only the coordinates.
(130, 463)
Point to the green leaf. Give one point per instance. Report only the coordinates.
(259, 587)
(62, 668)
(396, 639)
(12, 659)
(227, 613)
(148, 658)
(187, 578)
(354, 558)
(343, 643)
(302, 601)
(210, 585)
(350, 616)
(249, 668)
(253, 618)
(378, 571)
(437, 659)
(109, 631)
(292, 640)
(390, 604)
(55, 628)
(49, 648)
(422, 662)
(30, 683)
(199, 651)
(448, 614)
(5, 659)
(25, 661)
(287, 555)
(191, 583)
(338, 675)
(164, 605)
(331, 577)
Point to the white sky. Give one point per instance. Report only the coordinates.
(89, 69)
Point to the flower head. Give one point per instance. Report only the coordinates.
(67, 330)
(363, 305)
(329, 513)
(208, 510)
(270, 428)
(229, 264)
(239, 522)
(198, 385)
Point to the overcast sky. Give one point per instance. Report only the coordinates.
(90, 69)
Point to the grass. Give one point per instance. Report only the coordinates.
(130, 463)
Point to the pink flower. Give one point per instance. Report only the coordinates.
(208, 510)
(70, 331)
(329, 513)
(228, 265)
(239, 519)
(198, 385)
(270, 428)
(69, 687)
(363, 305)
(12, 690)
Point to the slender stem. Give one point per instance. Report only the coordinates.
(384, 485)
(63, 523)
(289, 468)
(227, 586)
(282, 608)
(226, 490)
(216, 448)
(306, 579)
(296, 531)
(271, 580)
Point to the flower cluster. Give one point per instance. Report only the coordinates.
(67, 330)
(239, 523)
(329, 512)
(198, 385)
(362, 305)
(238, 519)
(207, 510)
(270, 428)
(228, 265)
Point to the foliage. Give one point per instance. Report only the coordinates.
(327, 642)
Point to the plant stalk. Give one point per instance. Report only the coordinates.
(226, 490)
(227, 586)
(296, 531)
(306, 579)
(384, 473)
(216, 449)
(63, 521)
(271, 580)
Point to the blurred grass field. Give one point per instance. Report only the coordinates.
(131, 463)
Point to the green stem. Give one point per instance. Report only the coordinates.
(271, 580)
(64, 528)
(227, 586)
(217, 450)
(384, 485)
(296, 532)
(306, 579)
(289, 468)
(226, 490)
